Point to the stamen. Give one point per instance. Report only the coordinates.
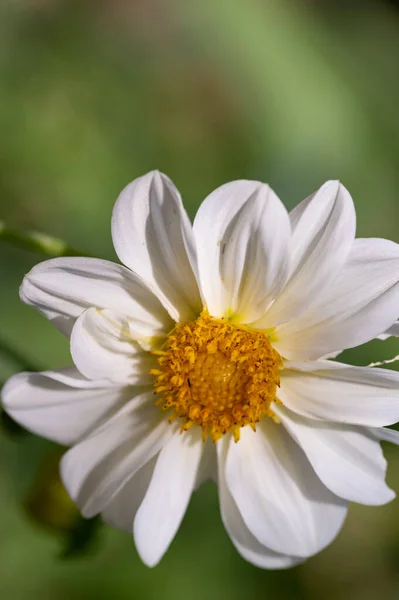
(217, 375)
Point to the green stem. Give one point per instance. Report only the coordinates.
(34, 241)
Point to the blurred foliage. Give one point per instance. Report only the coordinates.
(9, 426)
(50, 507)
(47, 502)
(96, 93)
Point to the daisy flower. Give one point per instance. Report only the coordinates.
(208, 355)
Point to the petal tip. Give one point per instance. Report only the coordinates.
(147, 553)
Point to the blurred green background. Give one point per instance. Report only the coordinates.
(96, 93)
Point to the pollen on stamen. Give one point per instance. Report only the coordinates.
(217, 375)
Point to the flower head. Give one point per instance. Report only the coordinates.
(208, 356)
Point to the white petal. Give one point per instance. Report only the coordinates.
(102, 347)
(383, 434)
(62, 288)
(282, 501)
(360, 304)
(61, 405)
(333, 391)
(323, 231)
(242, 233)
(120, 512)
(97, 468)
(347, 459)
(152, 235)
(246, 544)
(392, 331)
(167, 497)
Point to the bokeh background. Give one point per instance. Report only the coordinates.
(96, 93)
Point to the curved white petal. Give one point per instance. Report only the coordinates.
(246, 544)
(165, 503)
(347, 459)
(94, 470)
(333, 391)
(62, 406)
(152, 235)
(102, 347)
(360, 304)
(62, 288)
(120, 512)
(282, 501)
(323, 231)
(242, 232)
(383, 434)
(392, 331)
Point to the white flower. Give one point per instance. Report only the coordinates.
(230, 322)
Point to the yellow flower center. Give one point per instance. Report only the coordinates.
(217, 375)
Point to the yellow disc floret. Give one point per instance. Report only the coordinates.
(217, 375)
